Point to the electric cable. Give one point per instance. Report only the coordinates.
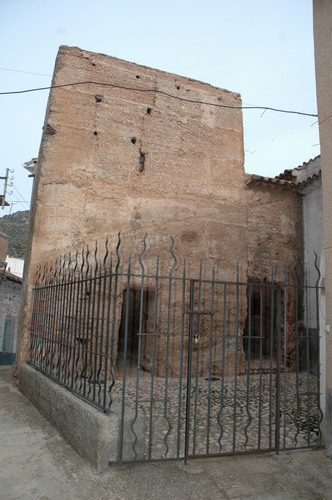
(17, 201)
(157, 91)
(25, 72)
(23, 200)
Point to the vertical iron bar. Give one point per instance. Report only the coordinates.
(98, 335)
(92, 328)
(34, 320)
(168, 345)
(296, 417)
(317, 287)
(260, 359)
(89, 332)
(181, 358)
(210, 362)
(52, 371)
(248, 368)
(139, 346)
(236, 355)
(80, 335)
(34, 337)
(189, 367)
(108, 320)
(67, 319)
(103, 349)
(285, 360)
(86, 321)
(55, 290)
(61, 319)
(125, 361)
(58, 321)
(271, 355)
(48, 319)
(63, 322)
(77, 321)
(198, 323)
(41, 335)
(72, 322)
(114, 319)
(39, 320)
(222, 395)
(306, 299)
(278, 374)
(153, 357)
(97, 353)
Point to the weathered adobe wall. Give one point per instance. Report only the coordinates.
(274, 234)
(274, 230)
(92, 181)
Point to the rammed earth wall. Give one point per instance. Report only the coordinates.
(122, 155)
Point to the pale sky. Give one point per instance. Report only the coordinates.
(262, 49)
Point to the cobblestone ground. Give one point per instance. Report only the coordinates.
(236, 419)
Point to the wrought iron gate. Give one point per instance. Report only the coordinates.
(193, 367)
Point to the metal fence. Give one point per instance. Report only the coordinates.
(196, 366)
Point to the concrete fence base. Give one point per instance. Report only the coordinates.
(94, 435)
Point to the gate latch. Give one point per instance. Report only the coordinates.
(196, 337)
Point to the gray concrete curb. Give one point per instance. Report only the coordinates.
(94, 434)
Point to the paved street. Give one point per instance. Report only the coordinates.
(258, 402)
(36, 463)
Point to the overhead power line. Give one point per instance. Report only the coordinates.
(23, 200)
(25, 72)
(157, 91)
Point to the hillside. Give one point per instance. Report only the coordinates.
(15, 227)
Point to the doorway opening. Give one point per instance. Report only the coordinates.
(135, 298)
(260, 328)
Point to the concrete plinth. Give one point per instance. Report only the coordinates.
(94, 435)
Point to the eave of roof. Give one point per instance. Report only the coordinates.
(280, 182)
(12, 277)
(309, 180)
(300, 167)
(258, 180)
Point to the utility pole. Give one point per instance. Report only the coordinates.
(5, 188)
(6, 179)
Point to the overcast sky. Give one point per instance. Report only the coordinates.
(262, 49)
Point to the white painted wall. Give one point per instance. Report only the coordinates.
(313, 230)
(15, 266)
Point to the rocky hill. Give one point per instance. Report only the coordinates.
(15, 227)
